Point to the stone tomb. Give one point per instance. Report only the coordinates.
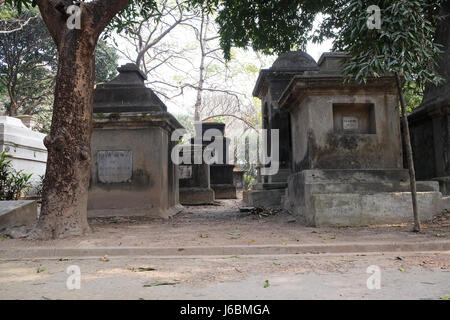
(195, 183)
(221, 172)
(132, 173)
(270, 85)
(24, 147)
(347, 151)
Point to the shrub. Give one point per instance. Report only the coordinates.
(13, 184)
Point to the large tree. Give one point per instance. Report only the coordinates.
(27, 59)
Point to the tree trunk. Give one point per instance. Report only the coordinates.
(201, 81)
(409, 155)
(65, 191)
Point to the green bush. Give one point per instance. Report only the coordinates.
(13, 184)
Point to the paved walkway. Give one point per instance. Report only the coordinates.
(409, 276)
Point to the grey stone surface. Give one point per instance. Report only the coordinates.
(114, 166)
(132, 172)
(18, 213)
(264, 198)
(358, 197)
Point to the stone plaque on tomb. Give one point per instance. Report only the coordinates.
(115, 166)
(185, 172)
(350, 123)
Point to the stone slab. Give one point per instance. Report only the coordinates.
(358, 197)
(224, 191)
(264, 198)
(18, 213)
(371, 209)
(196, 196)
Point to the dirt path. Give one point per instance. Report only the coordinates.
(224, 225)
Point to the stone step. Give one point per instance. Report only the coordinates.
(18, 213)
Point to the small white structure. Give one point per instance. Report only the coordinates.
(24, 147)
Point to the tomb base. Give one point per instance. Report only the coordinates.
(224, 191)
(358, 197)
(196, 196)
(222, 181)
(267, 198)
(444, 184)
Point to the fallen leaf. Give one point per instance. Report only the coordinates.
(233, 257)
(297, 239)
(104, 259)
(400, 258)
(204, 236)
(266, 284)
(160, 283)
(138, 244)
(275, 262)
(63, 259)
(251, 241)
(284, 243)
(141, 269)
(234, 235)
(401, 269)
(41, 269)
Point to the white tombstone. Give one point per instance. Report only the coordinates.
(24, 147)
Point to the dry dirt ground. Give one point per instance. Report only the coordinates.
(409, 276)
(224, 225)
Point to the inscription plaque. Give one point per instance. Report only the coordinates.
(185, 172)
(114, 166)
(350, 123)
